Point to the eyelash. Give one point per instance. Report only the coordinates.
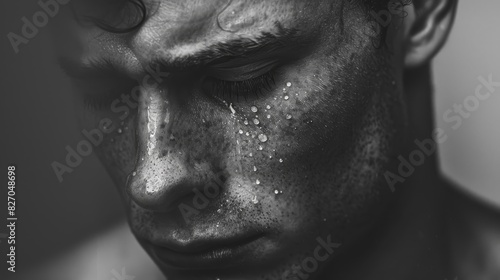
(234, 90)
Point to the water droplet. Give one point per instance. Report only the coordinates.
(281, 160)
(276, 192)
(257, 182)
(247, 134)
(245, 122)
(142, 159)
(232, 109)
(268, 116)
(250, 155)
(134, 173)
(268, 107)
(270, 157)
(119, 131)
(288, 84)
(254, 200)
(261, 148)
(255, 169)
(288, 116)
(219, 210)
(241, 131)
(324, 220)
(254, 109)
(287, 97)
(256, 121)
(263, 138)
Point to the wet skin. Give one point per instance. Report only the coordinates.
(296, 135)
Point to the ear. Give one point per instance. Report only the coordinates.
(429, 30)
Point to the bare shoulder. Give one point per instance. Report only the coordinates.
(114, 255)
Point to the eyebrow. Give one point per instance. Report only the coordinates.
(285, 42)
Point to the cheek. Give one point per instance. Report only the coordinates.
(327, 139)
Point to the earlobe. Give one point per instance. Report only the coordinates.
(429, 31)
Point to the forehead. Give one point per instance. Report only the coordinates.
(243, 17)
(175, 28)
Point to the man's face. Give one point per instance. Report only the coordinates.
(259, 132)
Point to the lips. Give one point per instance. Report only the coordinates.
(207, 253)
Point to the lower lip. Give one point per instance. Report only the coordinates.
(221, 257)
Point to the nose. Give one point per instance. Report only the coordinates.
(161, 176)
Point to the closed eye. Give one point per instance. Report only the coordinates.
(235, 91)
(234, 83)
